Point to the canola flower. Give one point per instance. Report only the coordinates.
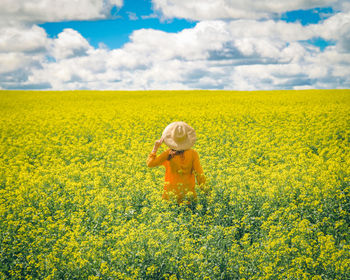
(77, 200)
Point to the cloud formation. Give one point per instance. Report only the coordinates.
(37, 11)
(68, 44)
(239, 54)
(236, 9)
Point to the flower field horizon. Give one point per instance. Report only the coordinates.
(77, 200)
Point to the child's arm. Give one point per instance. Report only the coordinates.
(198, 169)
(153, 160)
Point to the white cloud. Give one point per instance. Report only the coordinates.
(279, 30)
(190, 44)
(69, 43)
(344, 38)
(235, 9)
(333, 27)
(22, 49)
(16, 67)
(23, 39)
(34, 11)
(25, 47)
(213, 54)
(132, 16)
(243, 54)
(10, 62)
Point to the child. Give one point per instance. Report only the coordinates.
(181, 162)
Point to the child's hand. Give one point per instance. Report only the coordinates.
(157, 145)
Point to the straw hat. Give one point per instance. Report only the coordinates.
(179, 136)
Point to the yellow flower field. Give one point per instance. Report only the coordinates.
(77, 200)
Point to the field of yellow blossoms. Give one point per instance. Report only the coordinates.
(77, 200)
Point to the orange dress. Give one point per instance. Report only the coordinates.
(180, 172)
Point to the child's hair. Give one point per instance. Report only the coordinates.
(176, 153)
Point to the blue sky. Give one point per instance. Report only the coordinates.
(115, 32)
(174, 44)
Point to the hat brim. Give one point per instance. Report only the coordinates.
(175, 145)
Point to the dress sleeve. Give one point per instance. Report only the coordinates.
(153, 160)
(198, 169)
